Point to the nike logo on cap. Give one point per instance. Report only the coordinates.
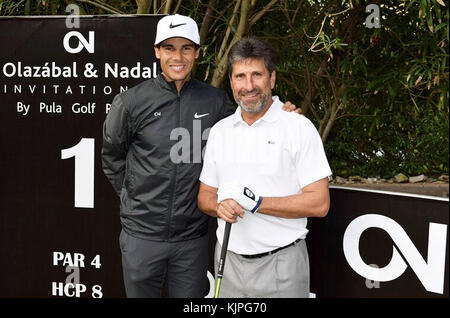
(175, 25)
(196, 116)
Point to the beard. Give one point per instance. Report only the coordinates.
(255, 108)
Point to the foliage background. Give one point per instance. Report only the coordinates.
(378, 96)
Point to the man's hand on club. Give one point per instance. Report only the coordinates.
(241, 196)
(228, 210)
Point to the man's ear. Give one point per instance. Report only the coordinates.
(158, 56)
(197, 53)
(272, 80)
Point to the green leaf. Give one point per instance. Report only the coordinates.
(437, 11)
(423, 9)
(430, 21)
(440, 26)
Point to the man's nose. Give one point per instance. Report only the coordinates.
(248, 84)
(177, 55)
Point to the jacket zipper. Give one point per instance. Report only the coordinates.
(174, 176)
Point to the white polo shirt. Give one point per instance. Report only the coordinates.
(276, 156)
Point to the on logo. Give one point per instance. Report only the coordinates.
(430, 273)
(82, 42)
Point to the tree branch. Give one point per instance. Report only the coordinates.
(219, 73)
(292, 84)
(112, 8)
(178, 8)
(307, 102)
(167, 6)
(261, 13)
(296, 11)
(207, 19)
(334, 111)
(227, 33)
(102, 6)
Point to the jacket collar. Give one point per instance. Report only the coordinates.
(171, 85)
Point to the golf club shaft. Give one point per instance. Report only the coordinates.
(223, 255)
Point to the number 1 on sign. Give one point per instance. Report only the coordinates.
(84, 171)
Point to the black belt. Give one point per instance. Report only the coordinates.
(271, 252)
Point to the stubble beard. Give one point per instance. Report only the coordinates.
(262, 103)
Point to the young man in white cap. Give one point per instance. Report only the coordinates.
(153, 137)
(164, 235)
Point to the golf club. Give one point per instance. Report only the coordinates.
(223, 255)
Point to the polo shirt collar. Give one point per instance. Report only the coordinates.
(270, 116)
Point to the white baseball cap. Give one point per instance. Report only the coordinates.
(177, 25)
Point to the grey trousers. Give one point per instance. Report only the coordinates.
(148, 265)
(284, 274)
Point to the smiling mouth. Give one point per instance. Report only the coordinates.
(177, 68)
(250, 95)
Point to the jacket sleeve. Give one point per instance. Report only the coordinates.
(116, 140)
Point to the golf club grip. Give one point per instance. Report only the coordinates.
(223, 253)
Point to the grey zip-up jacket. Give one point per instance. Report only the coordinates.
(153, 138)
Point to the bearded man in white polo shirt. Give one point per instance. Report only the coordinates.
(269, 168)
